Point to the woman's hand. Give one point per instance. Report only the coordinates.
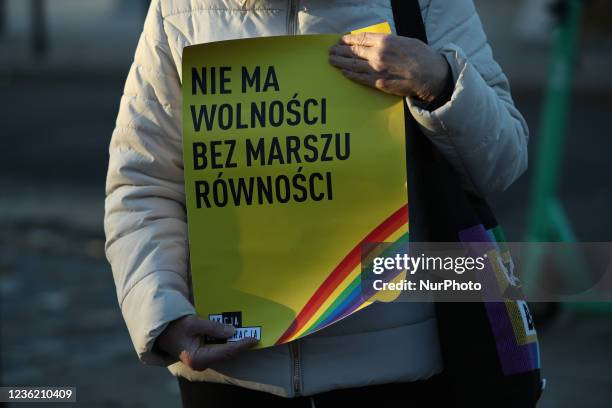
(182, 339)
(396, 65)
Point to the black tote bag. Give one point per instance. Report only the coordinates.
(486, 363)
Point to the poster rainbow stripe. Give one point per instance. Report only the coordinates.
(340, 294)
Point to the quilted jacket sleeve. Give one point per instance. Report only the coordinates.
(145, 221)
(479, 130)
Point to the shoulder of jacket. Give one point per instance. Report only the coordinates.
(443, 16)
(170, 8)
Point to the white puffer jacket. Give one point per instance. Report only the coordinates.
(479, 131)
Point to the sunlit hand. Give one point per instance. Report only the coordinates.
(182, 339)
(396, 65)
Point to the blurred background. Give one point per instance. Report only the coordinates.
(62, 68)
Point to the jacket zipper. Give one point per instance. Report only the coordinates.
(292, 16)
(296, 369)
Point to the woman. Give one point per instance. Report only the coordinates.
(460, 100)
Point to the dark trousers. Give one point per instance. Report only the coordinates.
(429, 393)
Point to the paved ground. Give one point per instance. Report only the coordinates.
(59, 320)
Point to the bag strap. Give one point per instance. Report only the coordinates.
(408, 19)
(432, 181)
(438, 210)
(423, 204)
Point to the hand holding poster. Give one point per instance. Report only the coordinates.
(289, 168)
